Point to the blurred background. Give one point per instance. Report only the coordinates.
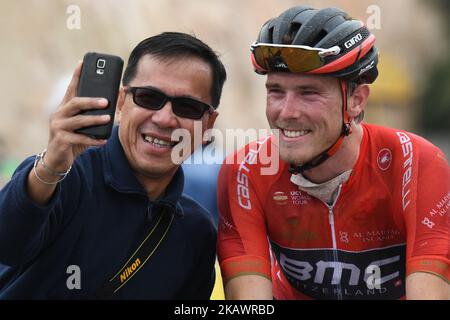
(41, 44)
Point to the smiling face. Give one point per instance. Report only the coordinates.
(307, 110)
(146, 134)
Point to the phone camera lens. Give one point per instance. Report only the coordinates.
(101, 63)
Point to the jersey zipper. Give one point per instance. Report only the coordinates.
(333, 234)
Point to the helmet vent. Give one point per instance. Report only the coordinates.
(322, 34)
(270, 35)
(365, 33)
(289, 37)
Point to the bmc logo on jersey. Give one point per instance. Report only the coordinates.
(349, 275)
(384, 159)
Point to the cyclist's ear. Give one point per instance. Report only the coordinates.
(357, 101)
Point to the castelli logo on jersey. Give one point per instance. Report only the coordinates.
(408, 156)
(384, 159)
(280, 198)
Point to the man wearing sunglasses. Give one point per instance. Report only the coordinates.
(356, 211)
(94, 231)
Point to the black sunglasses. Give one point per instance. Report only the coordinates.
(154, 99)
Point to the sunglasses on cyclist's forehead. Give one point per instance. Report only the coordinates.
(296, 59)
(154, 99)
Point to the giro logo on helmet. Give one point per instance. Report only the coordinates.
(350, 43)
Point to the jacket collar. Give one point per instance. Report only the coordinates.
(118, 174)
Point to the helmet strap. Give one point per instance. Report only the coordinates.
(346, 131)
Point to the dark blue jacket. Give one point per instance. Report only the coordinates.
(95, 220)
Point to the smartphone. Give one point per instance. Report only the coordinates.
(100, 77)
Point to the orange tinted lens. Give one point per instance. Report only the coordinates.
(263, 56)
(297, 60)
(301, 60)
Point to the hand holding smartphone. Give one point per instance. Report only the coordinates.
(100, 77)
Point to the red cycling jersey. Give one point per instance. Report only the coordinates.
(390, 219)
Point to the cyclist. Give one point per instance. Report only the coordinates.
(355, 210)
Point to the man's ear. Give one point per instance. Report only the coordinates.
(211, 120)
(357, 101)
(120, 103)
(209, 125)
